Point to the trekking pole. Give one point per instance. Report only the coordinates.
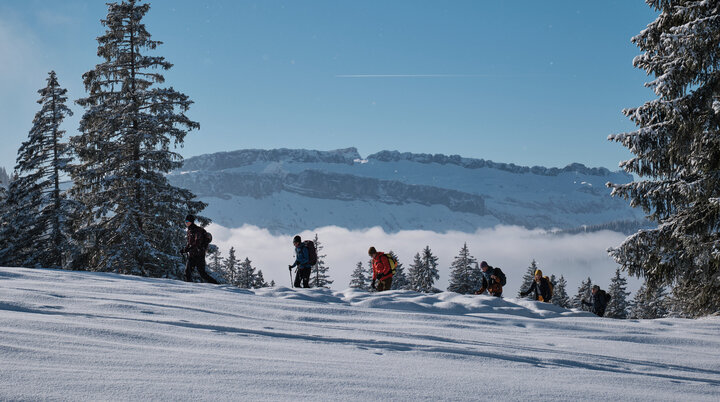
(291, 281)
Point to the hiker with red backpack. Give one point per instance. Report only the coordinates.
(599, 300)
(493, 280)
(198, 240)
(382, 270)
(541, 286)
(303, 261)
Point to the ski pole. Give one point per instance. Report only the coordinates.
(292, 285)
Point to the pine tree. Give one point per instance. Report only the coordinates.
(676, 149)
(400, 280)
(369, 276)
(358, 279)
(464, 273)
(41, 214)
(650, 302)
(230, 268)
(528, 279)
(132, 220)
(259, 281)
(216, 261)
(319, 277)
(246, 274)
(4, 178)
(618, 305)
(560, 296)
(584, 292)
(272, 283)
(423, 272)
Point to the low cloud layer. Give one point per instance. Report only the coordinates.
(509, 247)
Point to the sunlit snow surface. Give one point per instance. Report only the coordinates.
(87, 336)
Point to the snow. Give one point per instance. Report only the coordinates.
(80, 336)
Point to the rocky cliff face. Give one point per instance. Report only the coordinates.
(288, 191)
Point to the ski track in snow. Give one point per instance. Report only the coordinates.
(91, 336)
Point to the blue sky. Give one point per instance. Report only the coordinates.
(525, 82)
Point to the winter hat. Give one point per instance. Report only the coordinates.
(538, 272)
(190, 218)
(297, 239)
(484, 264)
(372, 251)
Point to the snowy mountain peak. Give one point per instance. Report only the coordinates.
(245, 157)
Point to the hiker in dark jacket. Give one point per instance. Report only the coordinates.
(598, 301)
(382, 272)
(491, 280)
(541, 287)
(195, 248)
(302, 262)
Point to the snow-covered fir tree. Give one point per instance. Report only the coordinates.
(259, 281)
(676, 148)
(132, 219)
(246, 274)
(650, 302)
(369, 276)
(527, 279)
(584, 292)
(423, 272)
(399, 280)
(272, 283)
(40, 213)
(230, 267)
(4, 178)
(215, 261)
(560, 296)
(618, 305)
(319, 277)
(464, 273)
(358, 278)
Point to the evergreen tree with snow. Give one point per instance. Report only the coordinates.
(4, 178)
(132, 217)
(358, 279)
(423, 272)
(527, 280)
(618, 305)
(246, 274)
(230, 267)
(216, 261)
(369, 276)
(584, 292)
(272, 283)
(560, 296)
(319, 277)
(464, 273)
(259, 281)
(676, 148)
(650, 302)
(400, 280)
(41, 214)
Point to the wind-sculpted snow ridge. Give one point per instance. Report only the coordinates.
(96, 336)
(439, 303)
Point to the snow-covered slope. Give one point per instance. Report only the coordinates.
(288, 191)
(88, 336)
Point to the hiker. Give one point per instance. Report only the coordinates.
(302, 261)
(382, 271)
(541, 286)
(493, 279)
(197, 244)
(598, 301)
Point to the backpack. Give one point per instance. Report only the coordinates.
(550, 286)
(312, 252)
(500, 274)
(393, 265)
(207, 239)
